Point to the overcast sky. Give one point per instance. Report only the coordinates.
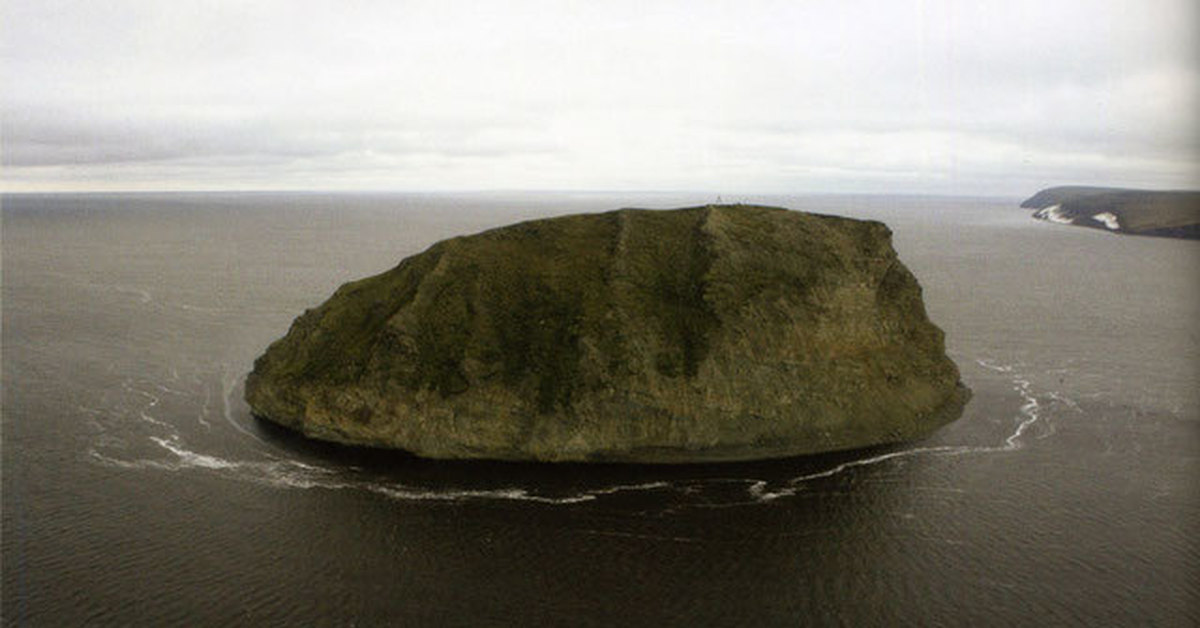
(940, 96)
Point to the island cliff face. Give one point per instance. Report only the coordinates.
(701, 334)
(1174, 214)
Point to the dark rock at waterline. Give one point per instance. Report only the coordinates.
(1174, 213)
(700, 334)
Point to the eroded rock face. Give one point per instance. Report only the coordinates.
(1168, 213)
(700, 334)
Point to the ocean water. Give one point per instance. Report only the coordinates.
(138, 490)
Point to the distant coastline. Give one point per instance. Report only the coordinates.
(1169, 213)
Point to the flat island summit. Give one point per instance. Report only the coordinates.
(714, 333)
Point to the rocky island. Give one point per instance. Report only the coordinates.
(702, 334)
(1174, 214)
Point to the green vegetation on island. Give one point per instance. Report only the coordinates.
(701, 334)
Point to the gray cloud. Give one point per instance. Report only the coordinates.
(41, 138)
(939, 95)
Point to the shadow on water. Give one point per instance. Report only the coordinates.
(715, 484)
(690, 544)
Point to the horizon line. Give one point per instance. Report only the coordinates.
(732, 196)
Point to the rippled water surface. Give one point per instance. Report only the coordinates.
(137, 489)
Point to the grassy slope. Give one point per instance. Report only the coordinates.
(582, 317)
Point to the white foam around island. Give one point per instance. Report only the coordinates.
(283, 472)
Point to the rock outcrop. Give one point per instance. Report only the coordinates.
(1174, 214)
(701, 334)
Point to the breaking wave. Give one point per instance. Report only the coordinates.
(272, 465)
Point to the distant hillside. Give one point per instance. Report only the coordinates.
(1174, 213)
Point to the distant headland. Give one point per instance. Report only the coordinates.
(1171, 213)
